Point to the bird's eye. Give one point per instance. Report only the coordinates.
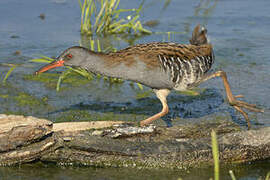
(69, 56)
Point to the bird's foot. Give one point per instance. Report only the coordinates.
(238, 105)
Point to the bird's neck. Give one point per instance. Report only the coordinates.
(105, 64)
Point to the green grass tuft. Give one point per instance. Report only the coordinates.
(104, 17)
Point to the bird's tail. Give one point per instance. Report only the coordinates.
(199, 36)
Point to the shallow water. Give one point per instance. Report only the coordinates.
(239, 31)
(50, 171)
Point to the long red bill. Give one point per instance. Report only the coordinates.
(52, 65)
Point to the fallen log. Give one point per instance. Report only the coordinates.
(118, 144)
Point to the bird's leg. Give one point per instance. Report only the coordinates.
(238, 105)
(162, 95)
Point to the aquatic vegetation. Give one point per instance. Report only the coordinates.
(13, 66)
(143, 94)
(104, 17)
(4, 95)
(232, 175)
(215, 153)
(51, 80)
(267, 176)
(24, 99)
(16, 101)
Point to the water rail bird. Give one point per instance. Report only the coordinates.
(162, 66)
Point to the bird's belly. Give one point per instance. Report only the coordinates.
(152, 77)
(155, 79)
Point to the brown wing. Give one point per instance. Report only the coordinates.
(150, 53)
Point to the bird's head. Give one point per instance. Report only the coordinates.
(199, 36)
(72, 56)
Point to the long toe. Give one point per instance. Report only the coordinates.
(250, 107)
(243, 104)
(239, 105)
(244, 114)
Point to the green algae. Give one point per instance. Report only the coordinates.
(50, 80)
(24, 99)
(15, 101)
(4, 96)
(71, 79)
(143, 94)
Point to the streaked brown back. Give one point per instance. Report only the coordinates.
(150, 52)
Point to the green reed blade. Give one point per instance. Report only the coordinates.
(267, 176)
(8, 73)
(98, 46)
(80, 3)
(46, 57)
(114, 30)
(123, 10)
(169, 36)
(92, 45)
(61, 78)
(116, 5)
(87, 16)
(111, 4)
(140, 86)
(40, 60)
(215, 153)
(143, 30)
(83, 17)
(232, 175)
(82, 72)
(117, 23)
(98, 18)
